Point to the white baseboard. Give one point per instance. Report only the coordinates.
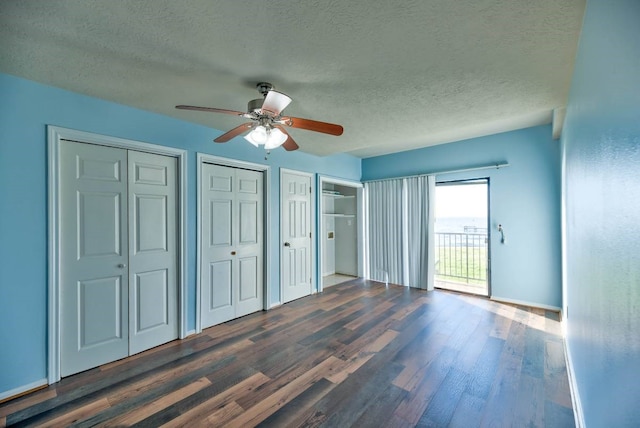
(21, 389)
(525, 303)
(189, 333)
(573, 387)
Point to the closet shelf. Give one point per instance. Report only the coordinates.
(339, 215)
(337, 196)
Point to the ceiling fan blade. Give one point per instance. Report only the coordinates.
(313, 125)
(211, 109)
(289, 144)
(240, 129)
(275, 102)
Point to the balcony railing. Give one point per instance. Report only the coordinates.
(462, 257)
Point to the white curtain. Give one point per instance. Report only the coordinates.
(421, 238)
(401, 242)
(385, 237)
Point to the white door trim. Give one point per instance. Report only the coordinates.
(265, 169)
(54, 135)
(322, 179)
(313, 220)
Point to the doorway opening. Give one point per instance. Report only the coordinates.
(462, 236)
(340, 231)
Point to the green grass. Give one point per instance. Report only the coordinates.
(461, 264)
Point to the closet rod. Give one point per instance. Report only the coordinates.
(451, 171)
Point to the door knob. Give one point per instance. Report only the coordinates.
(286, 244)
(233, 253)
(122, 265)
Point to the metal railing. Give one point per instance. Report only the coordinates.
(462, 256)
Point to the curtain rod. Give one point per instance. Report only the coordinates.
(451, 171)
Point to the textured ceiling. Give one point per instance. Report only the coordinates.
(396, 74)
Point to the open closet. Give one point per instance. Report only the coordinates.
(341, 231)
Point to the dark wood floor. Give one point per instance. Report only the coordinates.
(358, 354)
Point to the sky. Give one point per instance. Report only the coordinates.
(467, 200)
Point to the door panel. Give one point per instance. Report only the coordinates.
(151, 223)
(100, 312)
(249, 242)
(248, 222)
(217, 223)
(153, 317)
(296, 238)
(232, 220)
(93, 256)
(248, 278)
(220, 286)
(99, 224)
(152, 293)
(220, 213)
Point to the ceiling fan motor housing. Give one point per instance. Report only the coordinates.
(255, 105)
(264, 88)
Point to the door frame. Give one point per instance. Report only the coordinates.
(312, 228)
(322, 179)
(464, 181)
(203, 158)
(54, 136)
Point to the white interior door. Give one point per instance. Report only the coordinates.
(94, 254)
(153, 291)
(232, 252)
(295, 214)
(250, 241)
(118, 257)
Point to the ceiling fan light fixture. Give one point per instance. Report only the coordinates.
(271, 138)
(275, 139)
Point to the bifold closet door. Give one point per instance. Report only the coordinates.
(115, 300)
(232, 243)
(153, 256)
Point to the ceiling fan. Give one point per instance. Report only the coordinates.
(267, 122)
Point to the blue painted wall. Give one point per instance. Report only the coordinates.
(25, 109)
(524, 198)
(601, 142)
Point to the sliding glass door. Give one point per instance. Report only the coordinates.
(461, 238)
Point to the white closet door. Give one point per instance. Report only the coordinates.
(118, 255)
(232, 266)
(250, 241)
(295, 214)
(153, 305)
(94, 255)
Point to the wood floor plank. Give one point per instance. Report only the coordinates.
(78, 414)
(148, 395)
(263, 409)
(502, 399)
(383, 340)
(468, 412)
(350, 366)
(27, 401)
(483, 373)
(444, 402)
(360, 353)
(555, 373)
(379, 411)
(430, 378)
(531, 403)
(126, 392)
(138, 414)
(301, 411)
(344, 407)
(209, 407)
(221, 416)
